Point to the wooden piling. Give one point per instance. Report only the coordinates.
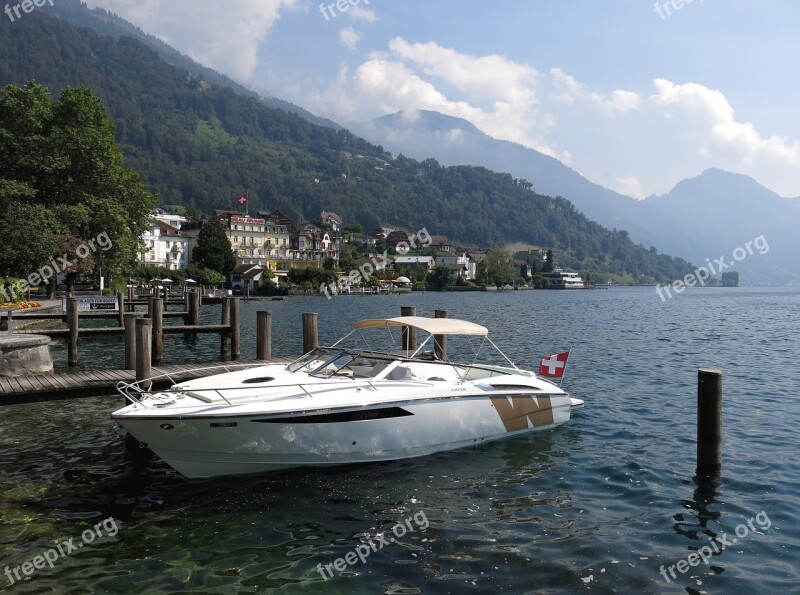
(187, 298)
(226, 320)
(194, 308)
(157, 316)
(144, 348)
(310, 332)
(409, 334)
(130, 340)
(236, 335)
(73, 324)
(440, 341)
(709, 422)
(131, 294)
(263, 335)
(121, 307)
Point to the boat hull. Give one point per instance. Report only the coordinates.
(242, 444)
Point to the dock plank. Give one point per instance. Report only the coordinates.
(86, 383)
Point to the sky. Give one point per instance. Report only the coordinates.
(636, 95)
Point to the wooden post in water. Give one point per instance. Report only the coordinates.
(165, 291)
(144, 348)
(226, 320)
(440, 341)
(409, 334)
(121, 307)
(709, 422)
(310, 332)
(157, 316)
(131, 294)
(72, 323)
(236, 333)
(130, 340)
(263, 335)
(194, 309)
(187, 298)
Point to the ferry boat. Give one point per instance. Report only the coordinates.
(561, 279)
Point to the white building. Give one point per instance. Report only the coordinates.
(164, 245)
(462, 266)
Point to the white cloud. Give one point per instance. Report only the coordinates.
(718, 131)
(349, 37)
(630, 187)
(365, 15)
(224, 36)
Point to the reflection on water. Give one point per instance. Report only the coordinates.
(596, 505)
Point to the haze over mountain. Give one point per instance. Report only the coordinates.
(108, 23)
(700, 218)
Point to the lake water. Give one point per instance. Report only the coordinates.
(596, 506)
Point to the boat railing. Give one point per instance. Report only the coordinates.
(134, 390)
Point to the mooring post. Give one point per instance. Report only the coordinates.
(187, 299)
(144, 328)
(194, 310)
(440, 341)
(310, 332)
(709, 422)
(130, 340)
(157, 316)
(72, 323)
(236, 333)
(226, 320)
(263, 335)
(131, 293)
(409, 334)
(121, 307)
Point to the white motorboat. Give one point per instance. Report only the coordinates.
(338, 405)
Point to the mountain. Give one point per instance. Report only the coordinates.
(455, 141)
(722, 211)
(669, 222)
(200, 145)
(108, 23)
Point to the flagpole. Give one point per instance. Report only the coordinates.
(566, 363)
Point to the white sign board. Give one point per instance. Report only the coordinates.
(94, 303)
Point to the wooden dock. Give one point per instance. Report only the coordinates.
(70, 385)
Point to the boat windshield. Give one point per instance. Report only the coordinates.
(324, 364)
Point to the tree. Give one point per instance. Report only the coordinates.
(500, 267)
(211, 277)
(548, 263)
(62, 173)
(213, 250)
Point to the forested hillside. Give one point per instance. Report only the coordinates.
(200, 145)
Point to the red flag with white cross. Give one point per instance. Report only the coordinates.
(554, 366)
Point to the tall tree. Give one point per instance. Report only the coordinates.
(61, 171)
(213, 250)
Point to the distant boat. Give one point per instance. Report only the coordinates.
(610, 282)
(560, 279)
(213, 297)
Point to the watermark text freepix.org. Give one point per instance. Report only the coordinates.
(421, 239)
(341, 5)
(56, 266)
(63, 548)
(702, 274)
(663, 8)
(27, 7)
(362, 552)
(718, 544)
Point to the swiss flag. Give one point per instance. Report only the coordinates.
(554, 365)
(241, 200)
